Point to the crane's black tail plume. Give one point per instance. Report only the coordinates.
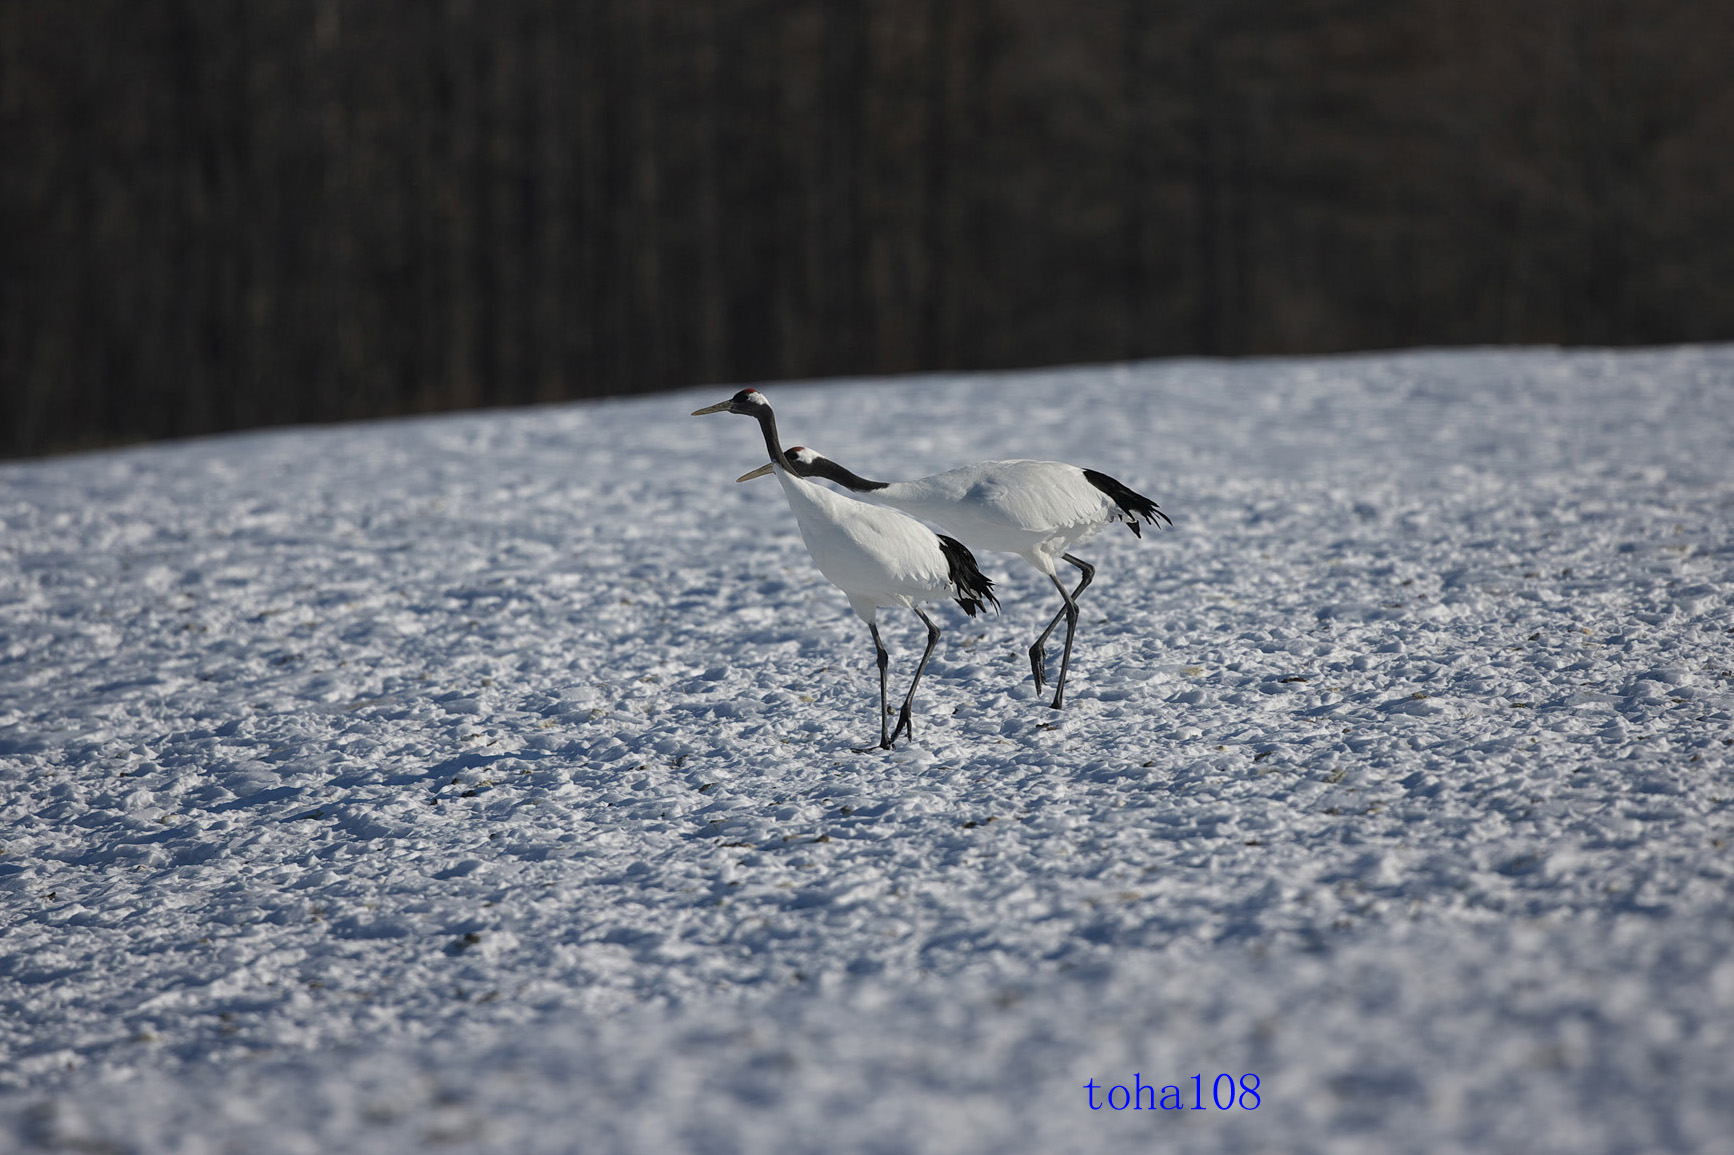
(1132, 503)
(973, 587)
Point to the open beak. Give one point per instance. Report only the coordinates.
(759, 472)
(719, 407)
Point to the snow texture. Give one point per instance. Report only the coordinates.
(484, 782)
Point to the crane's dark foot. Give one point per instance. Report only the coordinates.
(1059, 701)
(1038, 659)
(903, 726)
(883, 744)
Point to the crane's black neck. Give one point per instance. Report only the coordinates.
(831, 471)
(768, 426)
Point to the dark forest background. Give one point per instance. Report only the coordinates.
(225, 213)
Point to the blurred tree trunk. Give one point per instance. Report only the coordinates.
(222, 213)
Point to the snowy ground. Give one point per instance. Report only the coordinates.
(484, 782)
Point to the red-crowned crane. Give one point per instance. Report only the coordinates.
(877, 557)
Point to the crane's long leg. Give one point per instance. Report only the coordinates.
(903, 722)
(1038, 652)
(884, 661)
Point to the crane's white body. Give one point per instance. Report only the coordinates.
(1038, 510)
(877, 557)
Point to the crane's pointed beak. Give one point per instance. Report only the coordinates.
(759, 472)
(719, 407)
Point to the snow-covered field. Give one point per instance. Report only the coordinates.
(485, 783)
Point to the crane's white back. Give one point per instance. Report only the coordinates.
(877, 556)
